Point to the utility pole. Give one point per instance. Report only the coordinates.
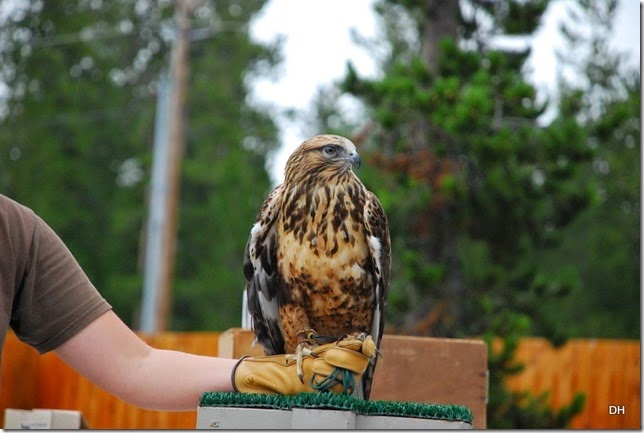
(169, 142)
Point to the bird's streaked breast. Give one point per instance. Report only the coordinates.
(323, 253)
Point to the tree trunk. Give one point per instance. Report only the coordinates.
(440, 20)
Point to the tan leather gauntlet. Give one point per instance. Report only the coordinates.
(334, 367)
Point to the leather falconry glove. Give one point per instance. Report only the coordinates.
(334, 367)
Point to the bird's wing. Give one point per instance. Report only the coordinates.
(380, 252)
(260, 271)
(379, 244)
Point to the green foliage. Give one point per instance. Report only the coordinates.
(603, 244)
(523, 411)
(76, 138)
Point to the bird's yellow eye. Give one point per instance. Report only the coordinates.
(330, 150)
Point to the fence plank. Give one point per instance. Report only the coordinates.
(18, 384)
(607, 371)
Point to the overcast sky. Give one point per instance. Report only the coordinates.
(318, 45)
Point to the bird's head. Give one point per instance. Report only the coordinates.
(323, 156)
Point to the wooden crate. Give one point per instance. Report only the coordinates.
(420, 369)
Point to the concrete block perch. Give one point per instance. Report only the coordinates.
(324, 411)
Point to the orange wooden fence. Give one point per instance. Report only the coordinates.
(607, 371)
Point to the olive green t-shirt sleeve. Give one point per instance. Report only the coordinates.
(54, 298)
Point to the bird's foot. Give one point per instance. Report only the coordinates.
(304, 348)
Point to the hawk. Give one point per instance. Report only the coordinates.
(318, 259)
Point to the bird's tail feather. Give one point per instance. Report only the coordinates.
(246, 319)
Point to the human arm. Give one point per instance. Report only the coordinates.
(113, 357)
(110, 355)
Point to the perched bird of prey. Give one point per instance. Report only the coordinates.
(317, 262)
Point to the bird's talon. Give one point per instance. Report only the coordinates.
(306, 351)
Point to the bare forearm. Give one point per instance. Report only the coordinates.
(170, 380)
(110, 355)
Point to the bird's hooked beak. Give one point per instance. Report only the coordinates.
(355, 159)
